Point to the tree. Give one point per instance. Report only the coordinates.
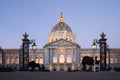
(35, 66)
(43, 67)
(32, 65)
(87, 61)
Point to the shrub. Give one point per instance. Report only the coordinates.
(6, 69)
(117, 68)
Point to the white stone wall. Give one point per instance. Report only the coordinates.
(12, 56)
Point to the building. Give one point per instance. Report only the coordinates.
(61, 53)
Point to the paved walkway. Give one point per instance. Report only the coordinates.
(60, 76)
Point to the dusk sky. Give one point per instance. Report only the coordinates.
(87, 19)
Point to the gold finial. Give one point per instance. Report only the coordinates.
(61, 18)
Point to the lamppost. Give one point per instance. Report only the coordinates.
(103, 52)
(24, 54)
(34, 46)
(94, 47)
(102, 43)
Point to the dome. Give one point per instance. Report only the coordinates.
(61, 26)
(61, 31)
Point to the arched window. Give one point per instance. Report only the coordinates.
(69, 58)
(61, 58)
(54, 58)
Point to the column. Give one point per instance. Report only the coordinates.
(46, 57)
(51, 69)
(75, 55)
(72, 55)
(50, 57)
(73, 66)
(65, 57)
(73, 58)
(57, 55)
(58, 67)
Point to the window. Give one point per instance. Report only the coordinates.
(54, 58)
(61, 58)
(69, 58)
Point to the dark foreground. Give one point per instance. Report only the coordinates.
(60, 76)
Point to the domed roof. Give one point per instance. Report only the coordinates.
(61, 31)
(61, 26)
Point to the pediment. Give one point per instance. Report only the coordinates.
(61, 42)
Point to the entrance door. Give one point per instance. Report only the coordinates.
(69, 67)
(54, 66)
(61, 67)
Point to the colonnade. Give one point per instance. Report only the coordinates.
(62, 58)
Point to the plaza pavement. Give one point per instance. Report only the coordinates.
(60, 76)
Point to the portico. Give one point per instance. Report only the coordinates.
(61, 55)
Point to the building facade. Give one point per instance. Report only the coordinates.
(61, 53)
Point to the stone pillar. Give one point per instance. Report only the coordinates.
(72, 55)
(73, 66)
(65, 68)
(51, 59)
(25, 47)
(75, 55)
(103, 53)
(51, 69)
(65, 57)
(57, 55)
(46, 57)
(51, 56)
(75, 61)
(58, 67)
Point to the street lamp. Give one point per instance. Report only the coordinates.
(102, 44)
(94, 47)
(24, 56)
(34, 46)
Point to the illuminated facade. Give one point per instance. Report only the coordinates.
(61, 53)
(61, 31)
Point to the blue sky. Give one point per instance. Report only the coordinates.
(87, 19)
